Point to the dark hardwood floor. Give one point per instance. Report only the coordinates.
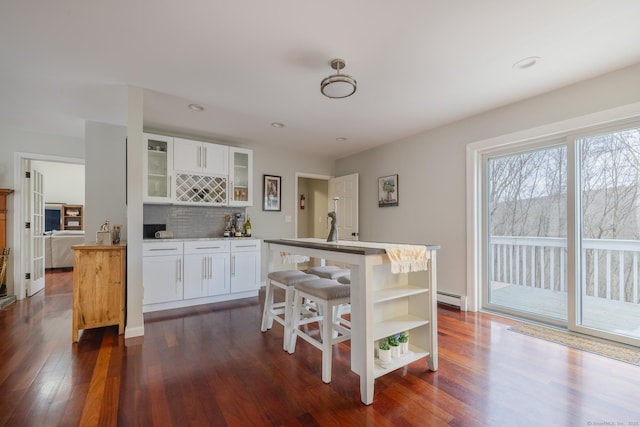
(211, 365)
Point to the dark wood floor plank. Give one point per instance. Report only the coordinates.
(211, 365)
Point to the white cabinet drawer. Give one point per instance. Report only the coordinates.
(245, 245)
(161, 248)
(206, 246)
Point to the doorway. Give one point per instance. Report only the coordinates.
(54, 170)
(312, 192)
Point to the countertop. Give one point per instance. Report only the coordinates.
(346, 246)
(184, 239)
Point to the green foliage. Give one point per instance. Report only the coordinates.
(403, 338)
(384, 345)
(393, 341)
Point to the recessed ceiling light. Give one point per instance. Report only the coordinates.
(525, 63)
(196, 107)
(277, 125)
(341, 139)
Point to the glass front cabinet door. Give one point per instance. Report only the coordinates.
(240, 177)
(158, 168)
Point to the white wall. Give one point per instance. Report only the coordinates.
(63, 182)
(431, 168)
(105, 182)
(30, 145)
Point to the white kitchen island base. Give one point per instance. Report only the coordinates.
(382, 303)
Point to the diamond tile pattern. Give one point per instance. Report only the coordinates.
(205, 189)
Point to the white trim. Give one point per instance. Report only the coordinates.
(476, 149)
(19, 286)
(133, 332)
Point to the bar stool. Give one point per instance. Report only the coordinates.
(328, 295)
(329, 271)
(345, 280)
(284, 280)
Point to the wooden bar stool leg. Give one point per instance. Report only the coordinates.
(267, 320)
(288, 317)
(327, 342)
(295, 322)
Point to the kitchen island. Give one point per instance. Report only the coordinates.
(382, 303)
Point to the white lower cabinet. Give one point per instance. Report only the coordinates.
(245, 265)
(183, 273)
(162, 272)
(206, 268)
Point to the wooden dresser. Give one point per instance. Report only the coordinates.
(99, 286)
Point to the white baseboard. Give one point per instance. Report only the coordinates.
(133, 332)
(452, 299)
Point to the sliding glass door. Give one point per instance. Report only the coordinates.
(562, 232)
(526, 233)
(609, 233)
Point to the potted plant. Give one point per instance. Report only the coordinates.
(395, 346)
(384, 351)
(403, 339)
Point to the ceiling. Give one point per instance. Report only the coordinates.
(418, 63)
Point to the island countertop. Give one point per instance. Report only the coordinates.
(345, 246)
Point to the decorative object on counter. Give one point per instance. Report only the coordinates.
(271, 193)
(388, 191)
(115, 233)
(384, 351)
(333, 232)
(247, 227)
(236, 224)
(103, 236)
(407, 258)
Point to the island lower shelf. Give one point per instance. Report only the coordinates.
(415, 353)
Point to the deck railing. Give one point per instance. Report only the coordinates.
(610, 271)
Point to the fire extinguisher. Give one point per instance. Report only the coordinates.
(302, 202)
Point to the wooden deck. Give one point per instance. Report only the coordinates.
(611, 316)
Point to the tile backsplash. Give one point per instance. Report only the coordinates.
(190, 221)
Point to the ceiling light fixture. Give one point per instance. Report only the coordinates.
(525, 63)
(196, 107)
(338, 85)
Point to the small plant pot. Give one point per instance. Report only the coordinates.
(395, 351)
(384, 355)
(404, 348)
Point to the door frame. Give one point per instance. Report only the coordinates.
(297, 193)
(474, 204)
(19, 259)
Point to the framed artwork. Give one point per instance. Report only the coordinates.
(271, 193)
(388, 191)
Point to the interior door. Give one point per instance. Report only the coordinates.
(345, 189)
(36, 231)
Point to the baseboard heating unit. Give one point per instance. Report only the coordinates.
(452, 299)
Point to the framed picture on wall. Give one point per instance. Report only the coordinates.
(388, 191)
(271, 193)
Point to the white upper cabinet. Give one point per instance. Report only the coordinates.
(240, 177)
(200, 157)
(158, 169)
